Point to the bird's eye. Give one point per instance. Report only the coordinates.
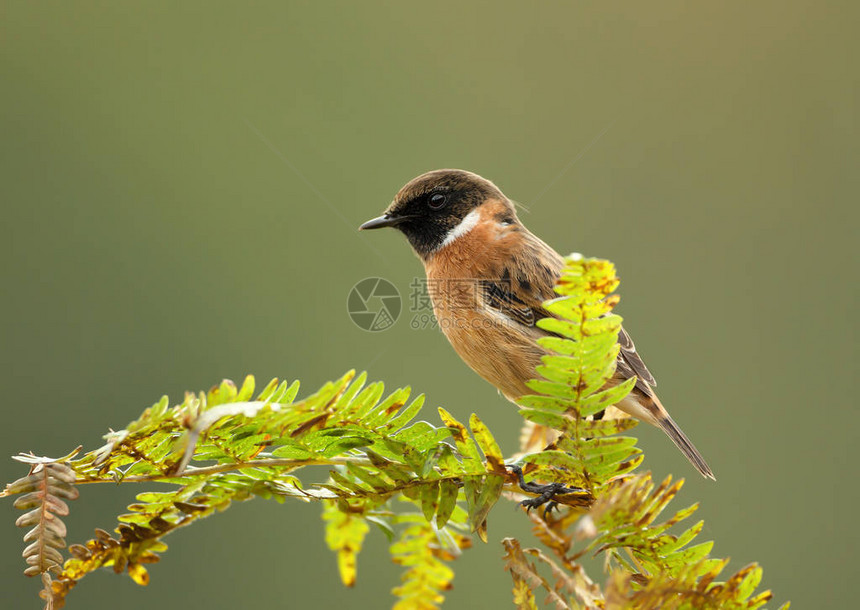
(436, 201)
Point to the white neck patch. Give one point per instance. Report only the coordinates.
(467, 224)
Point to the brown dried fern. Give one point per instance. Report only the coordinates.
(45, 491)
(527, 579)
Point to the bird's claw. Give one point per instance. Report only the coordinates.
(545, 493)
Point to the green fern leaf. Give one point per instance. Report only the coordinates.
(344, 534)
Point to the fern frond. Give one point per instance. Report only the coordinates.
(573, 385)
(44, 494)
(527, 579)
(344, 534)
(423, 549)
(227, 445)
(44, 491)
(650, 567)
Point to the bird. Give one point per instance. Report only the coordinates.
(487, 278)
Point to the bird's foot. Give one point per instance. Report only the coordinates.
(545, 493)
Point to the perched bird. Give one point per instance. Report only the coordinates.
(487, 277)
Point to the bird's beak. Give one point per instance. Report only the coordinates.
(386, 220)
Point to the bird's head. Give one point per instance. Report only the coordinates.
(432, 208)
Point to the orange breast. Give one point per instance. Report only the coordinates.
(500, 350)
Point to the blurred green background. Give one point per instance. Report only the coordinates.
(181, 183)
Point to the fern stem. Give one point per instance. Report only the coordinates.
(512, 489)
(218, 468)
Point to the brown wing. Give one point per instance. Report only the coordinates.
(499, 295)
(520, 289)
(520, 296)
(630, 364)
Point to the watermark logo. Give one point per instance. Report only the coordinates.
(374, 304)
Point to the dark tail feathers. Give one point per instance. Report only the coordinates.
(683, 443)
